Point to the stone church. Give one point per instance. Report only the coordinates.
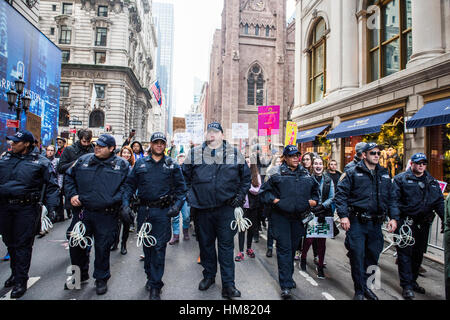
(251, 65)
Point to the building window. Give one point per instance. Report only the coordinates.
(257, 31)
(255, 86)
(267, 31)
(100, 37)
(65, 35)
(100, 89)
(390, 46)
(67, 8)
(100, 57)
(63, 118)
(52, 31)
(53, 7)
(246, 29)
(65, 55)
(97, 119)
(64, 90)
(102, 11)
(317, 62)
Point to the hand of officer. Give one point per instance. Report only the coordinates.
(392, 225)
(317, 208)
(275, 201)
(126, 214)
(312, 203)
(345, 224)
(173, 212)
(75, 201)
(237, 202)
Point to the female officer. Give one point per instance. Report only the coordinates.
(291, 192)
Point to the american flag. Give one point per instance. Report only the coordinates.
(157, 92)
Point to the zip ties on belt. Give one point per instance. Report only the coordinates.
(77, 237)
(144, 237)
(46, 223)
(241, 223)
(404, 238)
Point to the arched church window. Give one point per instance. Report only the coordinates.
(96, 119)
(255, 89)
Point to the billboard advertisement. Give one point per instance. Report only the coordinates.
(26, 52)
(268, 120)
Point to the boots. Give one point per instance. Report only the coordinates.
(186, 234)
(175, 239)
(123, 248)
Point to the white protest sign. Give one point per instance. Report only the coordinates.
(195, 126)
(182, 138)
(320, 230)
(239, 130)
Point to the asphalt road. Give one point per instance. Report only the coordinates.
(257, 278)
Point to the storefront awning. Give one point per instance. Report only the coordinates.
(431, 114)
(361, 126)
(310, 135)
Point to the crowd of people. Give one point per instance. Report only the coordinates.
(109, 191)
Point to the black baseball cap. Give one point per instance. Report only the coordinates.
(418, 157)
(290, 150)
(158, 136)
(106, 140)
(371, 145)
(22, 135)
(61, 138)
(215, 126)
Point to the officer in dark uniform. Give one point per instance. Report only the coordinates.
(161, 190)
(416, 197)
(362, 202)
(290, 192)
(26, 179)
(358, 156)
(218, 179)
(95, 184)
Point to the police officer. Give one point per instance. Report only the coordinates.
(162, 190)
(218, 179)
(290, 192)
(94, 184)
(362, 201)
(26, 179)
(358, 156)
(416, 196)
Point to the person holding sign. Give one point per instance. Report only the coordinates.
(325, 208)
(291, 192)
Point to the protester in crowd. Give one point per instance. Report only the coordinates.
(358, 156)
(251, 208)
(138, 150)
(50, 155)
(325, 208)
(130, 137)
(61, 142)
(333, 172)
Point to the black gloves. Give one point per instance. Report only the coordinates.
(173, 211)
(127, 215)
(237, 201)
(317, 209)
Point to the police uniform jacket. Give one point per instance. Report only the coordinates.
(358, 189)
(99, 183)
(23, 176)
(154, 180)
(352, 164)
(293, 188)
(410, 199)
(215, 176)
(71, 154)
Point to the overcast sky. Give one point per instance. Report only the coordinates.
(195, 23)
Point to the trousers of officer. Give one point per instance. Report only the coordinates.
(410, 258)
(215, 224)
(102, 228)
(155, 256)
(364, 242)
(18, 226)
(288, 234)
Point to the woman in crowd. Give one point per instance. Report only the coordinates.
(325, 208)
(251, 208)
(127, 154)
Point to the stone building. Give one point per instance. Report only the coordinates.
(363, 68)
(108, 45)
(251, 65)
(28, 8)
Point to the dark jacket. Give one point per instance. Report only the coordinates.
(71, 154)
(293, 188)
(409, 199)
(25, 175)
(352, 164)
(326, 194)
(98, 183)
(215, 176)
(154, 180)
(358, 189)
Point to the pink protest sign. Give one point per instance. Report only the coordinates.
(268, 120)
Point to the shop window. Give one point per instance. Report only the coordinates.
(255, 83)
(97, 119)
(66, 35)
(63, 118)
(64, 90)
(389, 38)
(439, 153)
(100, 37)
(317, 62)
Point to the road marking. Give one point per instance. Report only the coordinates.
(31, 281)
(308, 278)
(328, 296)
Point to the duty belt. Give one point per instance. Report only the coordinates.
(163, 202)
(25, 200)
(364, 216)
(107, 210)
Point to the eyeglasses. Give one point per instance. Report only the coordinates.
(372, 153)
(421, 163)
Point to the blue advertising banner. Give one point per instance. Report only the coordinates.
(26, 52)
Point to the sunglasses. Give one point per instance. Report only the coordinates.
(372, 153)
(421, 163)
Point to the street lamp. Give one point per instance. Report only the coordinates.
(16, 95)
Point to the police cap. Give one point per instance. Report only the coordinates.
(22, 136)
(106, 140)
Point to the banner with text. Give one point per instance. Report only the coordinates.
(291, 133)
(268, 120)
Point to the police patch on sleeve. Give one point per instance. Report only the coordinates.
(343, 176)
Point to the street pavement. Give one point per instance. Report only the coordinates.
(257, 278)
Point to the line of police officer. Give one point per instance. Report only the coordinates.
(100, 186)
